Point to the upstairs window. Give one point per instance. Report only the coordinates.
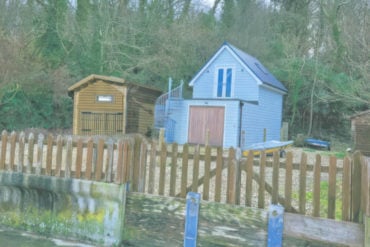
(224, 82)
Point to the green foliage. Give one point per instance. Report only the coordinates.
(307, 45)
(329, 100)
(50, 44)
(340, 154)
(34, 107)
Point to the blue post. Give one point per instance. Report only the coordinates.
(127, 186)
(169, 87)
(191, 219)
(275, 226)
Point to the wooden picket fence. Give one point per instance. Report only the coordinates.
(69, 157)
(328, 187)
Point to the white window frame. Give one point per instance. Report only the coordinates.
(217, 68)
(106, 98)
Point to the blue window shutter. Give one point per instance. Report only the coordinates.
(220, 82)
(228, 82)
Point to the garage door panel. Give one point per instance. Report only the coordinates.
(197, 121)
(215, 123)
(203, 119)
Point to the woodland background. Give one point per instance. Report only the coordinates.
(319, 49)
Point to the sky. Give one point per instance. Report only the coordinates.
(209, 2)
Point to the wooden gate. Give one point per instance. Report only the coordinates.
(205, 120)
(101, 123)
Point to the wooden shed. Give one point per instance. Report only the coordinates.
(105, 105)
(360, 129)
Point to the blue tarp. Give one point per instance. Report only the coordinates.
(317, 143)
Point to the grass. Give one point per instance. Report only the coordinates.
(338, 148)
(324, 189)
(338, 154)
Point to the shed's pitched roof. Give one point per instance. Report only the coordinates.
(360, 114)
(252, 63)
(111, 79)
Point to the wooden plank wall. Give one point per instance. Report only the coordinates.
(140, 109)
(86, 101)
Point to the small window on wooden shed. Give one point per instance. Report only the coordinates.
(104, 98)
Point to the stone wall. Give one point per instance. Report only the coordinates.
(70, 208)
(157, 221)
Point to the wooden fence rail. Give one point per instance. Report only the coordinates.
(319, 186)
(64, 156)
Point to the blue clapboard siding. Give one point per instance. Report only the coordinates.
(244, 85)
(266, 115)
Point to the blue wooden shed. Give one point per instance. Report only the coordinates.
(236, 102)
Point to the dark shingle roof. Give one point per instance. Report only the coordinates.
(257, 68)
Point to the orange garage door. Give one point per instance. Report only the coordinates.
(203, 119)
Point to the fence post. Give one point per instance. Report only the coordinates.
(136, 162)
(49, 155)
(275, 226)
(191, 219)
(231, 177)
(161, 137)
(109, 164)
(366, 198)
(40, 146)
(58, 158)
(162, 169)
(13, 137)
(207, 169)
(184, 170)
(99, 159)
(4, 141)
(31, 141)
(152, 165)
(68, 159)
(174, 169)
(356, 188)
(22, 141)
(275, 178)
(142, 167)
(89, 158)
(238, 157)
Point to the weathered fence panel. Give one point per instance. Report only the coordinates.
(258, 181)
(356, 188)
(221, 176)
(73, 157)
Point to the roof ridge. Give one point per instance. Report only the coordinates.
(253, 64)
